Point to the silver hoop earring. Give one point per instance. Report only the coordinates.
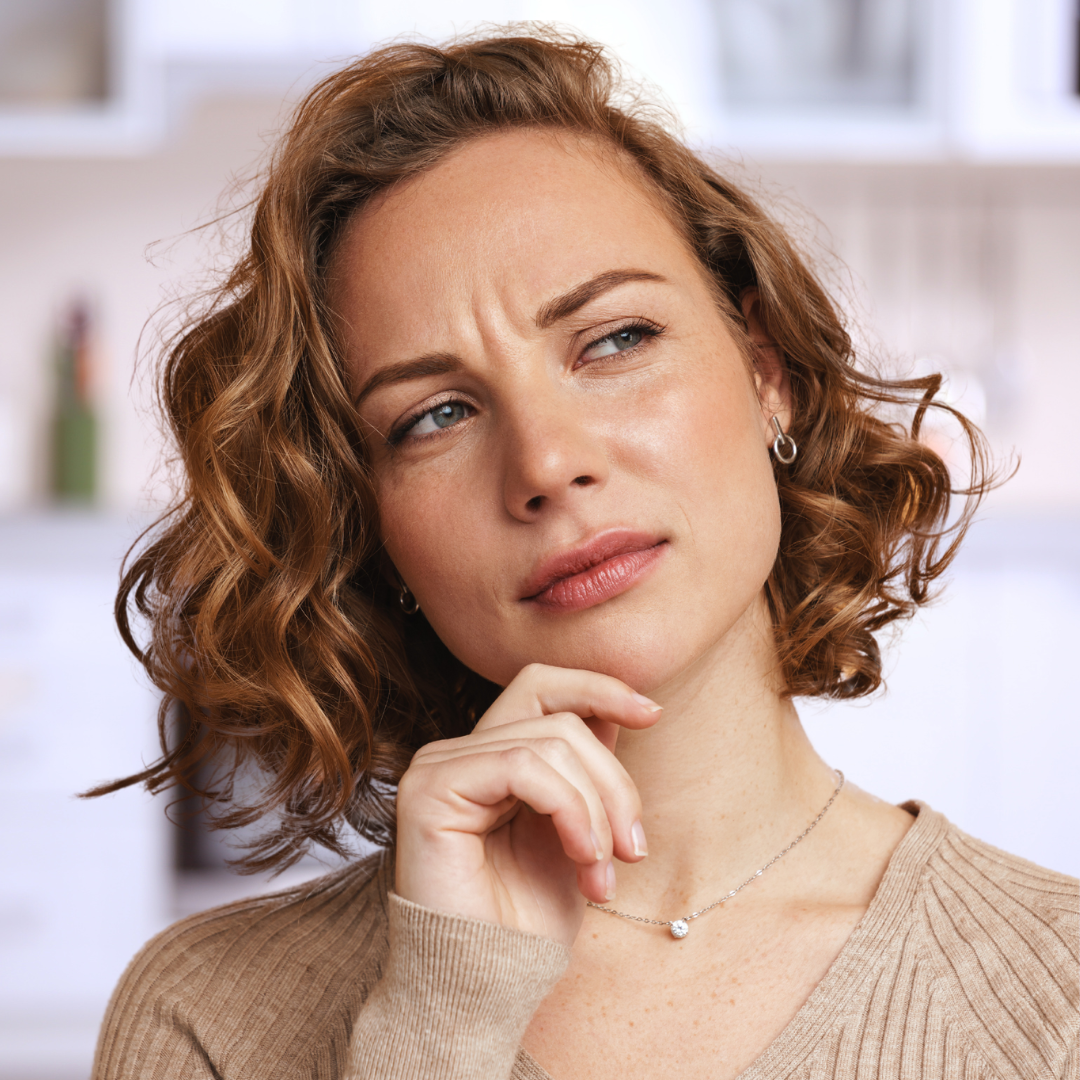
(783, 445)
(407, 601)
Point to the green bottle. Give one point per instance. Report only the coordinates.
(74, 458)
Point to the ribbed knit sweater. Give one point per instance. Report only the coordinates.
(965, 966)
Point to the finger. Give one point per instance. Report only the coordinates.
(561, 754)
(539, 690)
(597, 883)
(612, 795)
(468, 794)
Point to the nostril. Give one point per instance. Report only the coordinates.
(536, 503)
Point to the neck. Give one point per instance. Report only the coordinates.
(727, 777)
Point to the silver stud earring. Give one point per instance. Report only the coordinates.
(783, 445)
(407, 601)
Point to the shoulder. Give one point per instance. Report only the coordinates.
(277, 978)
(1004, 909)
(1002, 934)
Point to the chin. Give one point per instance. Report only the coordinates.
(625, 648)
(646, 641)
(648, 669)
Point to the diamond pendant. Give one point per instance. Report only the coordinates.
(680, 928)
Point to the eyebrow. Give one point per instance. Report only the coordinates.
(433, 364)
(551, 312)
(577, 297)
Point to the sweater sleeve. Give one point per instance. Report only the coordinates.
(454, 999)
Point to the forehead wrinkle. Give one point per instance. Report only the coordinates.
(492, 315)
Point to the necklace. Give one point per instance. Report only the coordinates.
(681, 927)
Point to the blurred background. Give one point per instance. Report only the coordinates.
(926, 151)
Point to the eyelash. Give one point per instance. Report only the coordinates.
(397, 436)
(647, 329)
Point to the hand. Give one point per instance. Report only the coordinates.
(517, 821)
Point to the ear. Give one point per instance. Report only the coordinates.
(770, 374)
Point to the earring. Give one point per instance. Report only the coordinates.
(407, 600)
(783, 445)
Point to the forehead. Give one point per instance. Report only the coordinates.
(514, 217)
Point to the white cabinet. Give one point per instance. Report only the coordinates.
(901, 80)
(82, 883)
(980, 716)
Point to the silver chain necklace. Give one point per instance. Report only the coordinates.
(681, 927)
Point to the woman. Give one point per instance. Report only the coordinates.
(529, 476)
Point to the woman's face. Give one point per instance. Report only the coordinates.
(570, 454)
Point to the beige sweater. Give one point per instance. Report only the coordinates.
(964, 967)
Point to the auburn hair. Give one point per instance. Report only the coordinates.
(268, 621)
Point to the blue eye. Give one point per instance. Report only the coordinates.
(618, 342)
(442, 416)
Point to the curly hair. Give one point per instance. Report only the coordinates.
(270, 623)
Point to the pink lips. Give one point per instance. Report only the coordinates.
(606, 566)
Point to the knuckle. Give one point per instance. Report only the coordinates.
(518, 757)
(408, 800)
(410, 783)
(533, 673)
(569, 723)
(574, 801)
(555, 748)
(581, 806)
(427, 750)
(631, 800)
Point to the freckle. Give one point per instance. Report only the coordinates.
(595, 936)
(631, 1023)
(671, 1004)
(732, 1001)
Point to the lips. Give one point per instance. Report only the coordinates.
(598, 570)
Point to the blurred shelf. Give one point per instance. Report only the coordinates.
(993, 81)
(67, 539)
(997, 79)
(1043, 542)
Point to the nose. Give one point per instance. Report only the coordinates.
(551, 453)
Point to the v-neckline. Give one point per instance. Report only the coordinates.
(880, 924)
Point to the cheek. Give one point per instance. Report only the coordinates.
(437, 540)
(436, 528)
(423, 531)
(707, 450)
(702, 438)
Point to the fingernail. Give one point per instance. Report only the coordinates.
(648, 703)
(637, 835)
(596, 845)
(610, 893)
